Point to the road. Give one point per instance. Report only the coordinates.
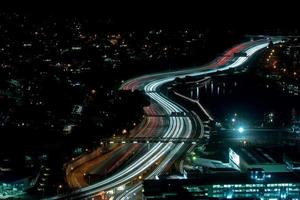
(176, 126)
(226, 62)
(103, 164)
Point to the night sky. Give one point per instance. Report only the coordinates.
(247, 15)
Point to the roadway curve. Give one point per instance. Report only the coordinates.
(176, 126)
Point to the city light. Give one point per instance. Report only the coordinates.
(121, 188)
(71, 88)
(93, 91)
(124, 131)
(241, 129)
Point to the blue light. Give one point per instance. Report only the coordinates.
(229, 195)
(241, 130)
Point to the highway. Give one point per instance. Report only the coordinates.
(175, 126)
(104, 163)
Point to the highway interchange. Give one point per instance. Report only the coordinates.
(160, 155)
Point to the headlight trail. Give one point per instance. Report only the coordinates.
(177, 126)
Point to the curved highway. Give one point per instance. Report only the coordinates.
(176, 126)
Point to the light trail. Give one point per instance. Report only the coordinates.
(158, 170)
(177, 126)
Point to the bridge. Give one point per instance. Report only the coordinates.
(136, 140)
(172, 114)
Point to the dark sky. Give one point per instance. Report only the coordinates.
(242, 13)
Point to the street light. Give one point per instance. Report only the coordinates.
(124, 131)
(58, 189)
(241, 129)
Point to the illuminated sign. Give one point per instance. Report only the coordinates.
(234, 157)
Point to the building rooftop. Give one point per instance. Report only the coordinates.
(258, 155)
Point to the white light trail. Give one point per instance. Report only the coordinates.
(177, 127)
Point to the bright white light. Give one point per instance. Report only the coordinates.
(121, 188)
(241, 130)
(233, 119)
(111, 192)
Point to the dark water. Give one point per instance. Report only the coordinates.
(248, 95)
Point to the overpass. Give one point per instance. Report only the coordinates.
(136, 140)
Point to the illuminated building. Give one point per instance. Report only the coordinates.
(261, 174)
(255, 184)
(256, 157)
